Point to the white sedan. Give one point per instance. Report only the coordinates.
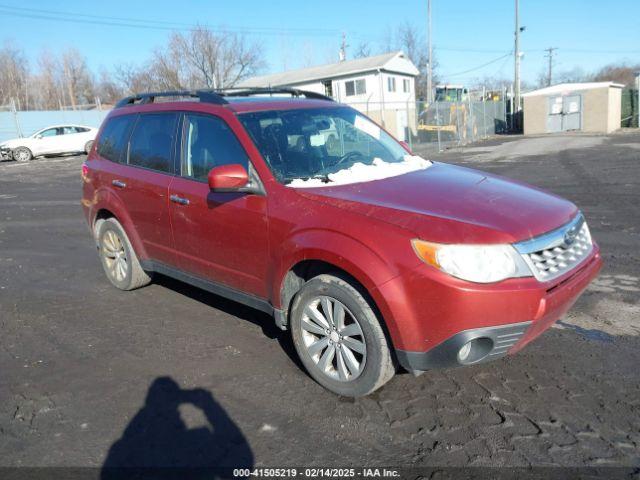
(53, 140)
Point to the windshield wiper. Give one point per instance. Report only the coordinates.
(323, 177)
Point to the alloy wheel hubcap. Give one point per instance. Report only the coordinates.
(115, 256)
(333, 339)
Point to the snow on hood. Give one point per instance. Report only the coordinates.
(359, 172)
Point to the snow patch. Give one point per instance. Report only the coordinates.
(359, 172)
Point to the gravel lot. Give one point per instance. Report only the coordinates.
(169, 374)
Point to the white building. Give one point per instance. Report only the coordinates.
(382, 86)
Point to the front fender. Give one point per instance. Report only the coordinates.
(360, 261)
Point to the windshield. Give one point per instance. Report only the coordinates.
(311, 147)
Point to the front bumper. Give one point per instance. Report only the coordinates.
(435, 316)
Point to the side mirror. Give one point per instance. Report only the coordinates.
(39, 136)
(229, 178)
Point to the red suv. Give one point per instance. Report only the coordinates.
(372, 257)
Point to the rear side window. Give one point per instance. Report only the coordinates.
(113, 138)
(152, 142)
(209, 143)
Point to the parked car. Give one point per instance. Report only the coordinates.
(55, 140)
(374, 259)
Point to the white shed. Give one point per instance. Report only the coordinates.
(382, 86)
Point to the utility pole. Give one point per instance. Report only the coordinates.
(343, 47)
(516, 55)
(430, 56)
(549, 55)
(638, 101)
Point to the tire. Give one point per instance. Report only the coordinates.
(22, 154)
(338, 372)
(87, 146)
(119, 260)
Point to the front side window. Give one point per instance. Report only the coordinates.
(316, 144)
(208, 143)
(50, 132)
(114, 136)
(152, 142)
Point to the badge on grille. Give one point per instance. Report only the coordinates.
(570, 236)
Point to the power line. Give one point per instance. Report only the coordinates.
(490, 62)
(82, 18)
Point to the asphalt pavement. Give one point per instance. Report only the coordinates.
(172, 375)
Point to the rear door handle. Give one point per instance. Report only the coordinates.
(118, 183)
(178, 199)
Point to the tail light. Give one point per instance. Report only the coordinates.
(85, 171)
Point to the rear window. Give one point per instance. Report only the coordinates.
(113, 139)
(152, 141)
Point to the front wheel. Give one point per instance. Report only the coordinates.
(338, 337)
(22, 154)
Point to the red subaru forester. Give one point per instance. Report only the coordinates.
(372, 257)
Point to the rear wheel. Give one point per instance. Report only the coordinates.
(338, 337)
(22, 154)
(119, 261)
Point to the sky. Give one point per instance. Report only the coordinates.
(471, 38)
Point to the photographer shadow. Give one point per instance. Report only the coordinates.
(158, 444)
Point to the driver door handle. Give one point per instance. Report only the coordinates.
(118, 183)
(179, 199)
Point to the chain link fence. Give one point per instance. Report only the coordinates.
(439, 125)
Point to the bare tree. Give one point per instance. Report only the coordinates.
(408, 39)
(203, 58)
(48, 82)
(14, 73)
(620, 73)
(77, 78)
(363, 50)
(108, 90)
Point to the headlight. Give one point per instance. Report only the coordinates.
(475, 263)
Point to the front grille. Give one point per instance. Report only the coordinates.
(555, 253)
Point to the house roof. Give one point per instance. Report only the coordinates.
(571, 87)
(393, 61)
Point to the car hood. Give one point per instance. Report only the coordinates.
(451, 204)
(14, 142)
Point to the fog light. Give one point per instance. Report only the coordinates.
(464, 352)
(474, 350)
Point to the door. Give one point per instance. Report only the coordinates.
(564, 114)
(571, 110)
(72, 140)
(142, 182)
(554, 118)
(48, 141)
(402, 123)
(221, 237)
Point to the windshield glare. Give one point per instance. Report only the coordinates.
(314, 143)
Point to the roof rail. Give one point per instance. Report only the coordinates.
(205, 96)
(217, 96)
(294, 92)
